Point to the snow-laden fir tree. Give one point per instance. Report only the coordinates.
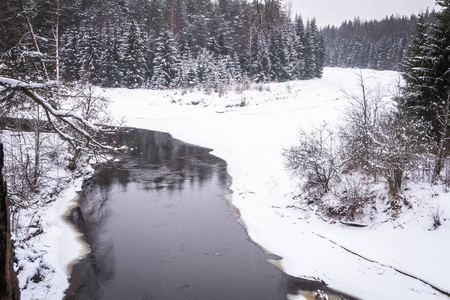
(232, 72)
(134, 64)
(314, 51)
(427, 78)
(260, 59)
(224, 35)
(111, 60)
(166, 62)
(187, 73)
(299, 46)
(279, 56)
(70, 55)
(90, 53)
(205, 61)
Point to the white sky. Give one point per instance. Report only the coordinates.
(334, 12)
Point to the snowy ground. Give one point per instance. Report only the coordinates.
(379, 262)
(45, 243)
(44, 261)
(391, 259)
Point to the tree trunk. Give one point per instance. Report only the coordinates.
(9, 287)
(443, 143)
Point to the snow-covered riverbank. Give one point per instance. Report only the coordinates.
(393, 259)
(45, 258)
(361, 262)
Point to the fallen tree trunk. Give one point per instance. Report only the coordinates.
(9, 287)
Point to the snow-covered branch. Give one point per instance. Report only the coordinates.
(72, 127)
(14, 83)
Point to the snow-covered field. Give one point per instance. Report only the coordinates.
(391, 259)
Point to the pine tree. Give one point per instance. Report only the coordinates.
(111, 60)
(279, 57)
(232, 70)
(426, 73)
(310, 51)
(315, 42)
(261, 61)
(224, 35)
(299, 46)
(206, 70)
(187, 74)
(427, 78)
(70, 58)
(134, 63)
(90, 52)
(166, 62)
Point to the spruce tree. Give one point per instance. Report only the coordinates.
(70, 58)
(310, 51)
(427, 78)
(279, 57)
(187, 73)
(166, 63)
(299, 45)
(111, 60)
(426, 70)
(90, 52)
(134, 57)
(316, 43)
(262, 64)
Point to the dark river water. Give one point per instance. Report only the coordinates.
(159, 227)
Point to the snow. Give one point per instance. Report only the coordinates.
(17, 83)
(249, 128)
(251, 139)
(51, 253)
(45, 243)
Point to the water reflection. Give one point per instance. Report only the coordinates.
(159, 228)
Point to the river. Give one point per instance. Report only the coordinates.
(160, 226)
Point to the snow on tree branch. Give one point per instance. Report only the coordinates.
(13, 83)
(70, 124)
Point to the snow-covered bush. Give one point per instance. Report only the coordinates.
(376, 142)
(350, 198)
(317, 159)
(397, 148)
(32, 162)
(379, 140)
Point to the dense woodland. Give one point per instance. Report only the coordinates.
(375, 44)
(162, 43)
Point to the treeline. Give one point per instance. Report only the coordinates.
(165, 43)
(378, 45)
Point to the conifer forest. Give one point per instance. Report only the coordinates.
(165, 43)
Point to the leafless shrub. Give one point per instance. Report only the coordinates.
(379, 140)
(30, 167)
(437, 218)
(317, 159)
(350, 198)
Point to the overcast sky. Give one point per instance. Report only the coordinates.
(334, 12)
